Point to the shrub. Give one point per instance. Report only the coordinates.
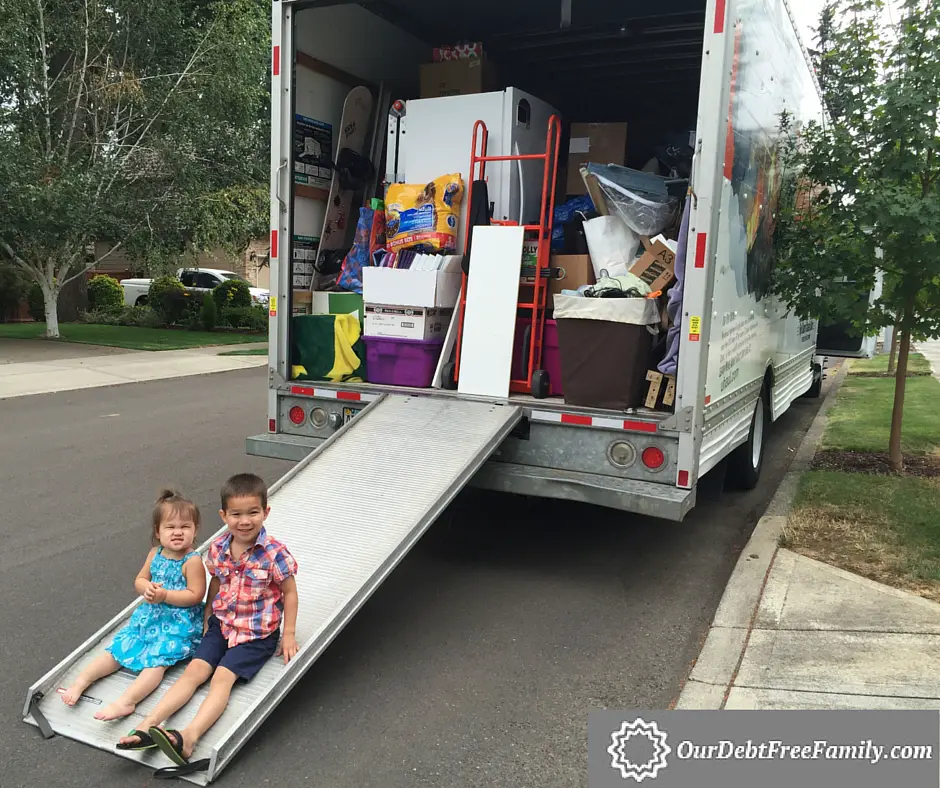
(36, 303)
(141, 317)
(14, 288)
(168, 298)
(209, 315)
(105, 294)
(232, 293)
(253, 318)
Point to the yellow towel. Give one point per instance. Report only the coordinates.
(345, 335)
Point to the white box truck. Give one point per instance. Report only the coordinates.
(726, 69)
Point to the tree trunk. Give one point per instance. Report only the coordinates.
(894, 348)
(50, 297)
(897, 414)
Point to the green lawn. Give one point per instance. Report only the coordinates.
(129, 337)
(883, 527)
(861, 418)
(915, 363)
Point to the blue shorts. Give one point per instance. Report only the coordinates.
(244, 660)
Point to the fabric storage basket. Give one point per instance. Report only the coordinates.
(605, 346)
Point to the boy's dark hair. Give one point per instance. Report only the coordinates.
(243, 485)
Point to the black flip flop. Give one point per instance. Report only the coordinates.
(145, 743)
(170, 743)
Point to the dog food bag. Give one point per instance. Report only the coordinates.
(424, 217)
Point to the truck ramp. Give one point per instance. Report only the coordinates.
(349, 513)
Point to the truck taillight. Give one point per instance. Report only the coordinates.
(272, 425)
(653, 457)
(297, 414)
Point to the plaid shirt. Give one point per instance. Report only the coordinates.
(249, 604)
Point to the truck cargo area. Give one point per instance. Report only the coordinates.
(345, 541)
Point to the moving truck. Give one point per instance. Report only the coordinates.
(719, 72)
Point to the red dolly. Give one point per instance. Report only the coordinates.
(535, 300)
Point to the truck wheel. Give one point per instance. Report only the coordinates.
(815, 391)
(141, 301)
(745, 462)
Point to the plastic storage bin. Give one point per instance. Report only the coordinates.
(402, 362)
(551, 355)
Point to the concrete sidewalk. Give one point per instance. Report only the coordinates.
(794, 633)
(68, 374)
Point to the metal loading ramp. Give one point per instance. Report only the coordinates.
(349, 513)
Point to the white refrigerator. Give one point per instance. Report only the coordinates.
(434, 138)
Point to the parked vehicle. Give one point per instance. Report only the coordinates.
(200, 280)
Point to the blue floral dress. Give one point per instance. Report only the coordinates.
(158, 634)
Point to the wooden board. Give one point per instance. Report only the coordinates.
(490, 319)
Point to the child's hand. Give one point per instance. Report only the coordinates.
(288, 647)
(154, 592)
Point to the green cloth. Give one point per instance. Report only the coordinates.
(327, 347)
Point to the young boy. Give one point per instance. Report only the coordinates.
(251, 592)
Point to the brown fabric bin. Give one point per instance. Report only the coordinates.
(604, 361)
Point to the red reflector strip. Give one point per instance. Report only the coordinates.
(276, 62)
(720, 16)
(570, 418)
(273, 244)
(683, 480)
(272, 425)
(347, 396)
(700, 250)
(708, 399)
(630, 425)
(640, 426)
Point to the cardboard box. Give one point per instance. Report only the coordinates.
(578, 271)
(407, 287)
(457, 78)
(656, 266)
(406, 322)
(600, 143)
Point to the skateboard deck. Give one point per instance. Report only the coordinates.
(338, 223)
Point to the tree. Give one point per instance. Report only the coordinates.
(122, 121)
(874, 166)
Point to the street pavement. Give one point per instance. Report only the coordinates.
(475, 664)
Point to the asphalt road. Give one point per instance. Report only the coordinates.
(475, 664)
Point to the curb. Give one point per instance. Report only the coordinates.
(716, 668)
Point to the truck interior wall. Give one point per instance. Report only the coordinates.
(618, 62)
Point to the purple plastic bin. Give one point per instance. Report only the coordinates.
(551, 357)
(402, 362)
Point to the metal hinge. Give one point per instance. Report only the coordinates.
(276, 378)
(680, 421)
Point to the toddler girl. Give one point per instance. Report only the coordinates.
(166, 628)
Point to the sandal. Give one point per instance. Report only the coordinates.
(170, 743)
(146, 741)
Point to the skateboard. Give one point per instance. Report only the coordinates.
(351, 173)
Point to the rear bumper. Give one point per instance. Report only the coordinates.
(627, 495)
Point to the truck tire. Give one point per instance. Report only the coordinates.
(745, 462)
(815, 391)
(141, 301)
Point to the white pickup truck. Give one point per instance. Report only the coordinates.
(203, 280)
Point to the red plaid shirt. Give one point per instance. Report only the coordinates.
(249, 604)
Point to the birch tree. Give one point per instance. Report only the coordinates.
(122, 122)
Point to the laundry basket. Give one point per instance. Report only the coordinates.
(605, 346)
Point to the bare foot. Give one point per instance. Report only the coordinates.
(114, 711)
(72, 694)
